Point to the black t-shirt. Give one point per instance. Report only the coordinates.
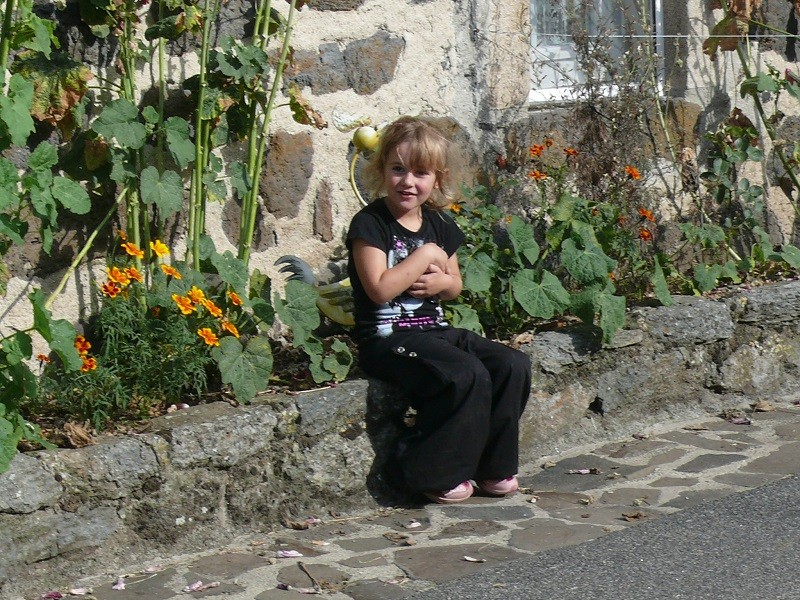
(377, 227)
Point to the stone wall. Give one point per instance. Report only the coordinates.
(199, 477)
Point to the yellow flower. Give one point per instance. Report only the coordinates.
(159, 248)
(230, 327)
(235, 299)
(89, 364)
(212, 308)
(209, 337)
(82, 345)
(171, 271)
(110, 289)
(455, 207)
(196, 294)
(133, 249)
(133, 273)
(184, 304)
(117, 275)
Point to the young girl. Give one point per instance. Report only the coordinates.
(468, 392)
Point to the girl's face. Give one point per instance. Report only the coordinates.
(407, 188)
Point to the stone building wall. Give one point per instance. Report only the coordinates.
(465, 61)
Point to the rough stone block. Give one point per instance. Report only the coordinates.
(27, 486)
(688, 321)
(224, 441)
(769, 305)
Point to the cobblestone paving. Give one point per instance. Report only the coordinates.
(589, 491)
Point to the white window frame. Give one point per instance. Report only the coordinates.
(565, 94)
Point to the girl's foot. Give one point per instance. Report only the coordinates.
(459, 493)
(499, 487)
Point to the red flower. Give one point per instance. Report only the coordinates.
(644, 234)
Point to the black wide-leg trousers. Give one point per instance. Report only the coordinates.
(469, 393)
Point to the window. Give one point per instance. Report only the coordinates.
(555, 24)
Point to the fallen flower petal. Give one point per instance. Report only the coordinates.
(288, 554)
(120, 585)
(199, 586)
(475, 560)
(740, 421)
(51, 596)
(80, 591)
(320, 543)
(413, 525)
(299, 590)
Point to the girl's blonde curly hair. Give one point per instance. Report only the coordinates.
(429, 150)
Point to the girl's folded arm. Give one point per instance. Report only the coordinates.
(382, 283)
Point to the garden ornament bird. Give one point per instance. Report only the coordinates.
(334, 300)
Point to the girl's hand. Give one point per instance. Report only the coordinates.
(430, 283)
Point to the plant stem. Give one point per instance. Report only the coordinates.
(256, 163)
(5, 40)
(79, 257)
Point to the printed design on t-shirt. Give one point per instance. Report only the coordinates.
(406, 312)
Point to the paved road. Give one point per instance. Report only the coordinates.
(742, 547)
(693, 510)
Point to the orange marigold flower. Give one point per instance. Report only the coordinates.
(184, 304)
(171, 271)
(537, 175)
(82, 345)
(42, 358)
(212, 308)
(536, 150)
(133, 250)
(111, 289)
(235, 299)
(548, 142)
(159, 248)
(644, 234)
(122, 235)
(209, 337)
(89, 364)
(455, 207)
(117, 275)
(647, 214)
(196, 294)
(230, 327)
(570, 151)
(156, 310)
(134, 274)
(633, 173)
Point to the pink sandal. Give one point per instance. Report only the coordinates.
(458, 494)
(499, 487)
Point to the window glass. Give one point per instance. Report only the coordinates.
(559, 26)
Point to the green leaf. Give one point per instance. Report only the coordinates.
(530, 295)
(465, 317)
(612, 314)
(564, 208)
(706, 276)
(15, 109)
(150, 115)
(660, 288)
(71, 195)
(521, 235)
(299, 311)
(240, 180)
(179, 142)
(165, 191)
(791, 255)
(119, 121)
(60, 334)
(17, 348)
(14, 229)
(477, 272)
(247, 370)
(231, 269)
(586, 265)
(43, 158)
(339, 360)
